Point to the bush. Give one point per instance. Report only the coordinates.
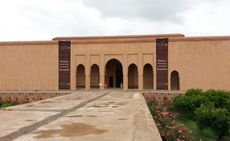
(195, 98)
(212, 109)
(220, 98)
(194, 92)
(181, 104)
(189, 103)
(6, 104)
(216, 119)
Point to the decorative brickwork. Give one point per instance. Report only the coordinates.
(161, 97)
(25, 97)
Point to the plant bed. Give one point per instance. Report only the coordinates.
(210, 110)
(191, 124)
(197, 116)
(169, 128)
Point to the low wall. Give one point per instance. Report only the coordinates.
(161, 97)
(20, 97)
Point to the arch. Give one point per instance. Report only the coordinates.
(109, 58)
(94, 76)
(175, 81)
(148, 76)
(80, 76)
(132, 77)
(113, 74)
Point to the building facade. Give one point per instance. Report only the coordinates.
(156, 62)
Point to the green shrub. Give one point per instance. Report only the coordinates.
(182, 104)
(194, 92)
(216, 119)
(6, 104)
(219, 98)
(197, 101)
(188, 104)
(211, 109)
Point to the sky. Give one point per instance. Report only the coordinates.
(46, 19)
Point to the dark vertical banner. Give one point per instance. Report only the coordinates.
(64, 64)
(162, 63)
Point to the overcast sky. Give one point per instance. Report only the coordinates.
(45, 19)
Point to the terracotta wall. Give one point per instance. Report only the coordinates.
(29, 66)
(139, 53)
(201, 63)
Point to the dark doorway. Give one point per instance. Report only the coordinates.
(80, 76)
(113, 74)
(94, 76)
(110, 82)
(175, 81)
(148, 77)
(132, 77)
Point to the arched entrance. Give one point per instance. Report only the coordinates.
(94, 76)
(175, 81)
(132, 77)
(148, 77)
(80, 76)
(113, 74)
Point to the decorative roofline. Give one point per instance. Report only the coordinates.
(119, 39)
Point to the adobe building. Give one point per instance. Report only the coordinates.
(155, 62)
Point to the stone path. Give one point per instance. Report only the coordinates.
(81, 116)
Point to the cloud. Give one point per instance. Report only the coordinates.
(153, 10)
(45, 19)
(159, 10)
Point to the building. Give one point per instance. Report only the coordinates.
(158, 62)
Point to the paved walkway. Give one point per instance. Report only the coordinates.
(81, 116)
